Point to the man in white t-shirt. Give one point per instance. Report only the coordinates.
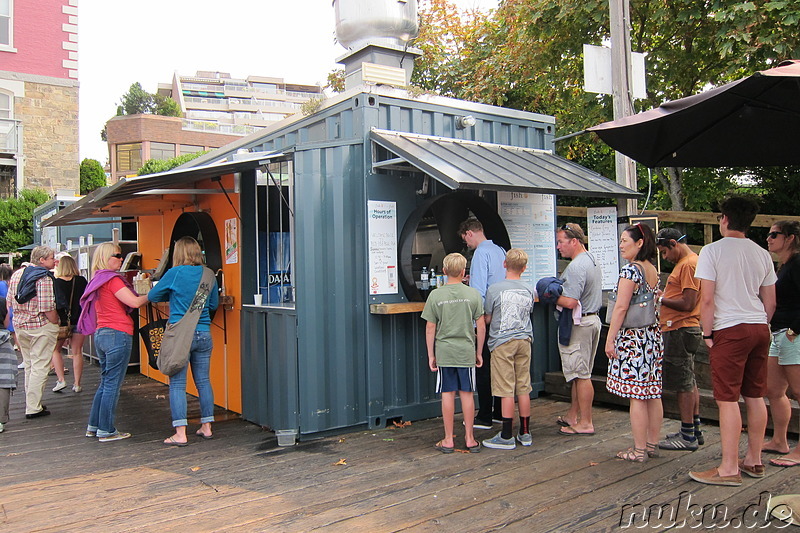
(737, 295)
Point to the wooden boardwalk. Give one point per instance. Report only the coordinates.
(52, 478)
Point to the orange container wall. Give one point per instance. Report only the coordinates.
(154, 236)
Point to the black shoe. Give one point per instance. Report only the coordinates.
(43, 412)
(699, 436)
(482, 424)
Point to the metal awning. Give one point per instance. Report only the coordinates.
(152, 194)
(462, 164)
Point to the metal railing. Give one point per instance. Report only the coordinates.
(213, 127)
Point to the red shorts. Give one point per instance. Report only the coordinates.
(739, 362)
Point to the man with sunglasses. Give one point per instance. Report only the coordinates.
(737, 300)
(683, 338)
(582, 287)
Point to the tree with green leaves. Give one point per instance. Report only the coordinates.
(528, 55)
(16, 218)
(154, 166)
(137, 101)
(92, 175)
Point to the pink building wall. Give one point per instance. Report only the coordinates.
(45, 39)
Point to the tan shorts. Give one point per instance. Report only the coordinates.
(511, 369)
(577, 358)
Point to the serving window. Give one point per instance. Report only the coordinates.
(275, 246)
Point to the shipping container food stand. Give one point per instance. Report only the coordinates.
(311, 212)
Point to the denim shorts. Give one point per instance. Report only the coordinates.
(787, 352)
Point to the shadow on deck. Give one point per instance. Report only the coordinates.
(55, 479)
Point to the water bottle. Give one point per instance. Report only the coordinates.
(434, 278)
(423, 277)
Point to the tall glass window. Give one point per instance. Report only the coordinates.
(190, 149)
(6, 101)
(129, 157)
(275, 218)
(6, 23)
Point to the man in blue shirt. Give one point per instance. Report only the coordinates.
(485, 268)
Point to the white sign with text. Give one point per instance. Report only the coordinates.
(603, 242)
(382, 221)
(530, 221)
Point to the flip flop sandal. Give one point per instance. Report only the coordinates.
(172, 442)
(785, 463)
(444, 449)
(203, 435)
(562, 422)
(474, 449)
(570, 431)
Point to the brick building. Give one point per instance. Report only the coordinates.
(133, 139)
(38, 95)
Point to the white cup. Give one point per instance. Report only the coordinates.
(257, 298)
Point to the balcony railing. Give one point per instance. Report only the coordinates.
(10, 135)
(213, 127)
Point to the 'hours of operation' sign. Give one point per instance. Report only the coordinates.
(382, 226)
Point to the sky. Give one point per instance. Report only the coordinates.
(149, 40)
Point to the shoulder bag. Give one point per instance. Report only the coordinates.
(642, 309)
(176, 344)
(65, 332)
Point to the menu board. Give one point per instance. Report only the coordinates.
(382, 227)
(603, 242)
(530, 220)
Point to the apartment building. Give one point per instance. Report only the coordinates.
(215, 101)
(38, 95)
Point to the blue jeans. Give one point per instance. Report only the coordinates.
(200, 361)
(113, 348)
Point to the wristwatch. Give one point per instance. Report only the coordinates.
(706, 337)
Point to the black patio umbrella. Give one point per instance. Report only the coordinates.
(754, 121)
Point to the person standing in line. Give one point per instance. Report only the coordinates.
(508, 308)
(683, 338)
(635, 354)
(36, 322)
(179, 286)
(783, 367)
(737, 300)
(105, 311)
(8, 368)
(69, 286)
(582, 290)
(455, 347)
(485, 269)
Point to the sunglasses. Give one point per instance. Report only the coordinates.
(566, 229)
(118, 256)
(774, 234)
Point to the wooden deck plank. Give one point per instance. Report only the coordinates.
(54, 479)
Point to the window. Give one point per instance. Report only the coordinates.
(129, 157)
(6, 107)
(190, 149)
(275, 216)
(162, 150)
(6, 23)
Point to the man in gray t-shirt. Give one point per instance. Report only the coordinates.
(582, 290)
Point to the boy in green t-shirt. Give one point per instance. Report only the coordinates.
(452, 351)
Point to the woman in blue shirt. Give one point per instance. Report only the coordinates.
(178, 287)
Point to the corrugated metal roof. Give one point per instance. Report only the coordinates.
(462, 164)
(145, 195)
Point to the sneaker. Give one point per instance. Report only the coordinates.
(678, 442)
(712, 477)
(499, 443)
(119, 435)
(77, 388)
(91, 434)
(60, 385)
(753, 471)
(525, 439)
(482, 424)
(43, 412)
(1, 427)
(21, 365)
(698, 435)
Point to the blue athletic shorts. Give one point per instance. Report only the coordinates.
(451, 379)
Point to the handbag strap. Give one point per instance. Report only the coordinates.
(71, 294)
(192, 315)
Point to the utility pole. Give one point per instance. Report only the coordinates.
(619, 13)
